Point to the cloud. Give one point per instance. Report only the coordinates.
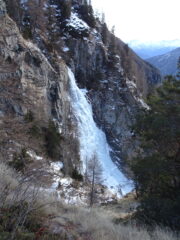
(142, 19)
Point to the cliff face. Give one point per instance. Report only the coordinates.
(117, 81)
(35, 77)
(29, 83)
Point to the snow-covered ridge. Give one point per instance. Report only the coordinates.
(93, 140)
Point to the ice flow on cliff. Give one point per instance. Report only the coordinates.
(93, 140)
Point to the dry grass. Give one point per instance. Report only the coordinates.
(97, 224)
(73, 221)
(8, 177)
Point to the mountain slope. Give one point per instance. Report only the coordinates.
(166, 63)
(49, 37)
(151, 49)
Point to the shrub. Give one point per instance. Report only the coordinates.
(86, 12)
(29, 221)
(35, 131)
(4, 235)
(52, 140)
(27, 32)
(20, 160)
(29, 116)
(76, 175)
(65, 9)
(105, 34)
(27, 28)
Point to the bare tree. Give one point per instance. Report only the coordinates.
(94, 175)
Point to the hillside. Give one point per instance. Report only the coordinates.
(166, 63)
(69, 94)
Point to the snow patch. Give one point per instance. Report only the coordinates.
(56, 166)
(133, 88)
(66, 49)
(77, 23)
(131, 84)
(33, 155)
(143, 104)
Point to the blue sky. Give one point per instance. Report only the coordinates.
(145, 20)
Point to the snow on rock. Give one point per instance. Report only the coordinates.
(55, 170)
(65, 49)
(33, 155)
(142, 102)
(133, 88)
(77, 23)
(73, 192)
(56, 166)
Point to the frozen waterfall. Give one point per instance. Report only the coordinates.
(92, 140)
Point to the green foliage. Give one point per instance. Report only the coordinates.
(35, 131)
(52, 140)
(157, 169)
(29, 116)
(4, 235)
(27, 32)
(105, 34)
(25, 236)
(65, 9)
(20, 160)
(29, 228)
(86, 12)
(48, 136)
(27, 27)
(76, 175)
(178, 69)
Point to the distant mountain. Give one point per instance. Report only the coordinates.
(166, 63)
(150, 49)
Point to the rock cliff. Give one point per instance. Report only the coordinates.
(37, 44)
(29, 83)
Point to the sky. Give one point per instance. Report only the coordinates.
(143, 20)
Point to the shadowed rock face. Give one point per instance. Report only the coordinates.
(36, 78)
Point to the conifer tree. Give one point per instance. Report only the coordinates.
(157, 168)
(178, 69)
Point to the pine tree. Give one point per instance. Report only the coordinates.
(157, 168)
(178, 69)
(105, 34)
